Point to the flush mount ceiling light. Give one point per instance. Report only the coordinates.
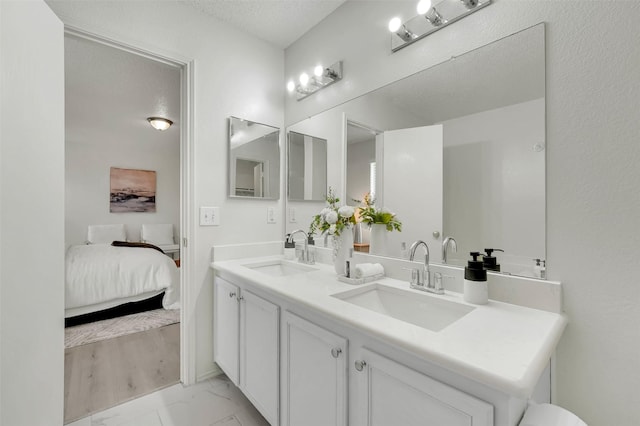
(430, 19)
(321, 78)
(159, 123)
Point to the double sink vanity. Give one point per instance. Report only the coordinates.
(455, 150)
(307, 349)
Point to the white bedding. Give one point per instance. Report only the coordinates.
(102, 273)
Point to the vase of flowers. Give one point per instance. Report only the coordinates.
(337, 222)
(381, 221)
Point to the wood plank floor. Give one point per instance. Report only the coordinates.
(109, 372)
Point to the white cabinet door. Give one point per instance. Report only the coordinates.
(315, 363)
(392, 394)
(259, 349)
(226, 325)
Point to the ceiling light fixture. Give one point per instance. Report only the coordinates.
(160, 123)
(322, 77)
(430, 19)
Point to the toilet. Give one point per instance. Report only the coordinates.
(549, 415)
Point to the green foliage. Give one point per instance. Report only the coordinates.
(370, 214)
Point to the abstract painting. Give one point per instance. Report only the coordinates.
(132, 190)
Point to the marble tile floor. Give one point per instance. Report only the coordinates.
(213, 402)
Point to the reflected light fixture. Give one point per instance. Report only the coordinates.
(321, 78)
(398, 28)
(160, 123)
(430, 19)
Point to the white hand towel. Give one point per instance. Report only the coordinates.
(363, 270)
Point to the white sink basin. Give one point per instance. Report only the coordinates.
(423, 310)
(280, 268)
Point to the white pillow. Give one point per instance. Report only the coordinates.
(106, 234)
(158, 234)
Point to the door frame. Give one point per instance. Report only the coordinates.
(187, 177)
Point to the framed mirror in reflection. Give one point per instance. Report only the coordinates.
(459, 151)
(254, 160)
(307, 167)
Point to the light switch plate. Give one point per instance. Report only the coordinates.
(209, 216)
(271, 215)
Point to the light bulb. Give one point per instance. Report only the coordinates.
(304, 79)
(395, 24)
(291, 86)
(423, 6)
(318, 70)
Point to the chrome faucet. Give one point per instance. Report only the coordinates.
(305, 257)
(445, 244)
(423, 281)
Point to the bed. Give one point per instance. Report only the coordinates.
(100, 276)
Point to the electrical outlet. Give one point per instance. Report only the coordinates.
(209, 216)
(271, 215)
(292, 215)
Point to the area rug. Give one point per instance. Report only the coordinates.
(114, 327)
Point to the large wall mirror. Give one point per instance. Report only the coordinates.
(307, 167)
(254, 160)
(455, 150)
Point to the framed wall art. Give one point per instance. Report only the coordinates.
(132, 191)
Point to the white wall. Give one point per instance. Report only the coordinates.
(494, 183)
(235, 75)
(87, 168)
(360, 155)
(593, 203)
(31, 195)
(109, 93)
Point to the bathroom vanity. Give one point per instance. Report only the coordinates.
(307, 349)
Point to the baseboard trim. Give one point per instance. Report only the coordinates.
(213, 372)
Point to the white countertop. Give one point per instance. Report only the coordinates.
(504, 346)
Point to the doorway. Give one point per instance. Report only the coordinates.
(94, 154)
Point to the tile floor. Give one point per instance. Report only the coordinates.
(213, 402)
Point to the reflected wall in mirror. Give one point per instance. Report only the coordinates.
(482, 181)
(254, 159)
(307, 161)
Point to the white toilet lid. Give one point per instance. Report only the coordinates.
(549, 415)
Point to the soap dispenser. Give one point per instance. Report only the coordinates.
(490, 262)
(289, 248)
(476, 290)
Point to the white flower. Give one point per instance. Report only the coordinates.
(384, 210)
(346, 211)
(331, 217)
(332, 230)
(324, 212)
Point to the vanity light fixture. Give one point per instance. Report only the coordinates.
(396, 27)
(322, 77)
(160, 123)
(430, 19)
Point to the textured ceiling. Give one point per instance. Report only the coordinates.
(112, 92)
(280, 22)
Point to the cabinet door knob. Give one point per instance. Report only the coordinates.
(360, 365)
(240, 298)
(335, 352)
(232, 294)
